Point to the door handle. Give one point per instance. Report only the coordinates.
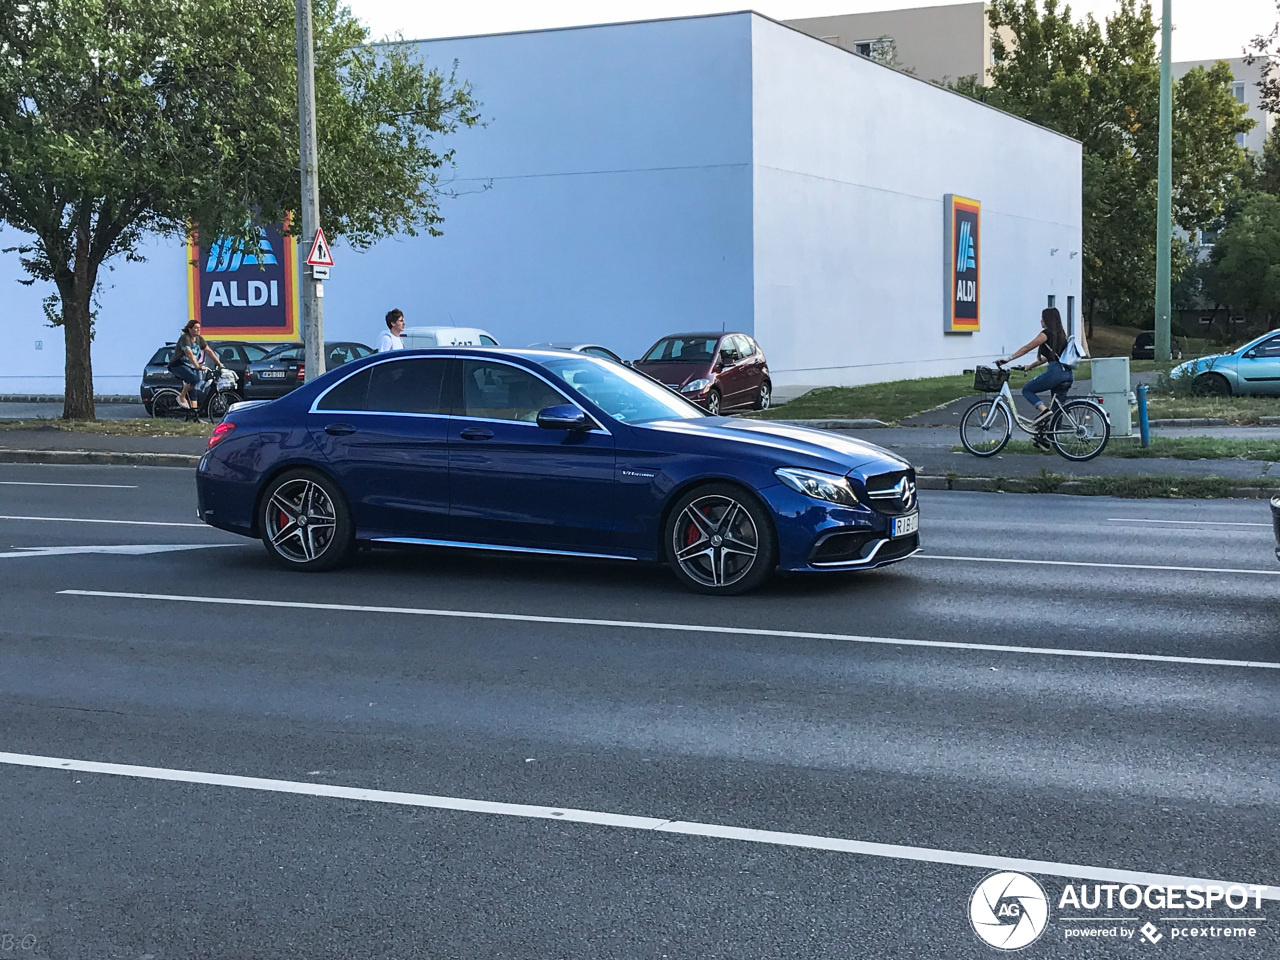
(476, 433)
(339, 429)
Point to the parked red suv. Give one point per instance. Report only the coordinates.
(719, 371)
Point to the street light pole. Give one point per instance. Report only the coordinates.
(312, 289)
(1164, 197)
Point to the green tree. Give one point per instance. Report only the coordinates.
(122, 118)
(1246, 260)
(1100, 84)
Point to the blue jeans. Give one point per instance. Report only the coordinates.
(187, 374)
(1056, 378)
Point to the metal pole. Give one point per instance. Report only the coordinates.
(1144, 425)
(312, 290)
(1164, 199)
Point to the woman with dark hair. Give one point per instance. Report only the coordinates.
(1048, 344)
(188, 361)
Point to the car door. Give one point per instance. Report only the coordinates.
(383, 431)
(732, 377)
(1258, 370)
(752, 368)
(519, 484)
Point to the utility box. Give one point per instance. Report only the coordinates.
(1111, 384)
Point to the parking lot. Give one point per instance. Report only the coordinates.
(454, 754)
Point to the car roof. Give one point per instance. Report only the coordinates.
(711, 335)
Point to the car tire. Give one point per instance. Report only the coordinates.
(765, 397)
(326, 536)
(741, 545)
(713, 402)
(1211, 385)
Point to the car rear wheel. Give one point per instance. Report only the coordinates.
(305, 523)
(720, 540)
(765, 396)
(713, 402)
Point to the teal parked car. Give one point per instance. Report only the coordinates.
(1251, 370)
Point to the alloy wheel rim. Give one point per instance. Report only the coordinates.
(301, 520)
(715, 541)
(765, 396)
(713, 404)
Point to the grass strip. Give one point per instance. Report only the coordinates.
(1173, 448)
(874, 401)
(1134, 487)
(136, 427)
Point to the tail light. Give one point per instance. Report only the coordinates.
(220, 433)
(302, 371)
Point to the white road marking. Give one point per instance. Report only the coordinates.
(132, 550)
(1110, 566)
(890, 851)
(131, 523)
(1198, 523)
(100, 486)
(675, 627)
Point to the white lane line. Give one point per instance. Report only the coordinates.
(130, 523)
(1198, 523)
(675, 627)
(1110, 566)
(99, 486)
(891, 851)
(123, 549)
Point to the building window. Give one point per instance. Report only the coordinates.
(1238, 90)
(1239, 139)
(879, 49)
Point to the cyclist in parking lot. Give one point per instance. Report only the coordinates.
(188, 360)
(1048, 344)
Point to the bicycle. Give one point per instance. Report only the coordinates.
(213, 398)
(1078, 429)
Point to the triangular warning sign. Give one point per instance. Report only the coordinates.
(320, 255)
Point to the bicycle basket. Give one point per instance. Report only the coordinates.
(989, 379)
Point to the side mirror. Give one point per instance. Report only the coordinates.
(1251, 355)
(564, 416)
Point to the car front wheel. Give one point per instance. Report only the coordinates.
(304, 521)
(1212, 385)
(720, 540)
(713, 402)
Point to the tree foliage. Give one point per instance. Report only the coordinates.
(1100, 84)
(122, 118)
(1246, 260)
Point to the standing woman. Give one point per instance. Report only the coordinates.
(1048, 344)
(188, 360)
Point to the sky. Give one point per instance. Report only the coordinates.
(1203, 29)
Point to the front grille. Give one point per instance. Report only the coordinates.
(893, 494)
(897, 549)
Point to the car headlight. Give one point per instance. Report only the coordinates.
(693, 386)
(819, 485)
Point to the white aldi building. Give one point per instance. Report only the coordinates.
(698, 174)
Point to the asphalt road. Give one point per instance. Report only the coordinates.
(769, 776)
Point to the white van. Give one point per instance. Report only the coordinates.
(420, 338)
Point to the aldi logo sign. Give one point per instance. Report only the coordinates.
(240, 295)
(963, 259)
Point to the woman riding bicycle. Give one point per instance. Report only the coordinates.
(1048, 344)
(188, 361)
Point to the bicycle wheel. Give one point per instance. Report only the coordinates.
(985, 428)
(217, 406)
(164, 405)
(1080, 430)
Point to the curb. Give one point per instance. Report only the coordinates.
(102, 457)
(51, 398)
(1190, 422)
(1074, 487)
(836, 424)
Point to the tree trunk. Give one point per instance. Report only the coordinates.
(77, 328)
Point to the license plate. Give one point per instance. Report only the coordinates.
(272, 374)
(905, 526)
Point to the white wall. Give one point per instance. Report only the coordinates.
(852, 161)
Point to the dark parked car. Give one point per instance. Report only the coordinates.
(284, 368)
(236, 354)
(551, 453)
(1144, 346)
(718, 371)
(591, 349)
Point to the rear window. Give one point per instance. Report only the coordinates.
(161, 356)
(254, 352)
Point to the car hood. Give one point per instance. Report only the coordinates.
(677, 373)
(1193, 367)
(789, 442)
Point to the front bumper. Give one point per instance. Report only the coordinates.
(817, 536)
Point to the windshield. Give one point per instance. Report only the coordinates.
(254, 352)
(622, 393)
(682, 350)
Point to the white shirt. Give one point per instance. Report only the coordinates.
(388, 342)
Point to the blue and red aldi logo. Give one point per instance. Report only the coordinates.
(241, 294)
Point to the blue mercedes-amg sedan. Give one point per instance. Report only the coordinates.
(548, 452)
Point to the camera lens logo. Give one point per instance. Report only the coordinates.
(1009, 911)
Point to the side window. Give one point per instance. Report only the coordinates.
(729, 345)
(487, 341)
(229, 354)
(349, 394)
(407, 386)
(1268, 349)
(747, 345)
(496, 391)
